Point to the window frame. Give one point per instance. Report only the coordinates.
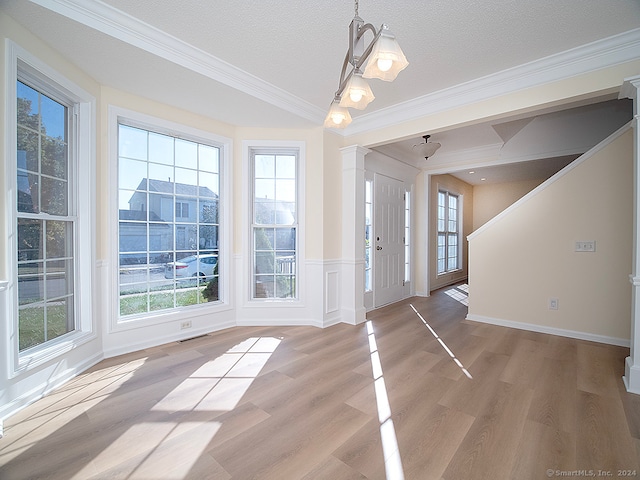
(447, 232)
(119, 115)
(20, 65)
(250, 147)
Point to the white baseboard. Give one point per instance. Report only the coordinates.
(591, 337)
(157, 341)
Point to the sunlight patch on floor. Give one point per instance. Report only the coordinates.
(217, 386)
(459, 293)
(390, 449)
(444, 345)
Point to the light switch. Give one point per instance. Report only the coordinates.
(586, 246)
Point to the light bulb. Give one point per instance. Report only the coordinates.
(384, 64)
(356, 95)
(337, 118)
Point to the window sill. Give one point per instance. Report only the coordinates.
(37, 356)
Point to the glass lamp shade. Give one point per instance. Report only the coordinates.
(386, 59)
(357, 93)
(426, 149)
(338, 117)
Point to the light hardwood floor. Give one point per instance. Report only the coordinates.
(435, 395)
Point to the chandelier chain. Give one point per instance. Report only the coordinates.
(356, 7)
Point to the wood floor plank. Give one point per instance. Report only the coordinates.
(555, 395)
(599, 368)
(597, 413)
(543, 449)
(428, 441)
(471, 395)
(489, 448)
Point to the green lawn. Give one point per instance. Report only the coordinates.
(160, 300)
(32, 324)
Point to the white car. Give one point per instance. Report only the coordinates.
(200, 266)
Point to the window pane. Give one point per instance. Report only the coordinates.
(185, 181)
(286, 167)
(264, 238)
(265, 189)
(265, 166)
(209, 184)
(28, 106)
(186, 153)
(160, 148)
(132, 174)
(285, 239)
(30, 242)
(132, 143)
(208, 210)
(285, 213)
(265, 262)
(59, 239)
(28, 148)
(160, 178)
(31, 320)
(265, 213)
(30, 282)
(133, 236)
(54, 118)
(209, 159)
(28, 193)
(286, 190)
(54, 195)
(59, 279)
(54, 158)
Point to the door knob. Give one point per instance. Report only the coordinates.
(378, 247)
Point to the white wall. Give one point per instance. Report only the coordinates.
(526, 255)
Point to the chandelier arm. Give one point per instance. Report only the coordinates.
(343, 79)
(376, 35)
(348, 59)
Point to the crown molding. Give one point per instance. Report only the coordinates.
(605, 53)
(124, 27)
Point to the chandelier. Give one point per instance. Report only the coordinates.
(385, 61)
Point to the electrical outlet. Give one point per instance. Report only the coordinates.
(185, 324)
(553, 304)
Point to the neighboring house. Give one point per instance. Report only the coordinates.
(153, 201)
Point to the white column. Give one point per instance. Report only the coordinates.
(352, 291)
(631, 378)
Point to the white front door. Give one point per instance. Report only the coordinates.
(388, 241)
